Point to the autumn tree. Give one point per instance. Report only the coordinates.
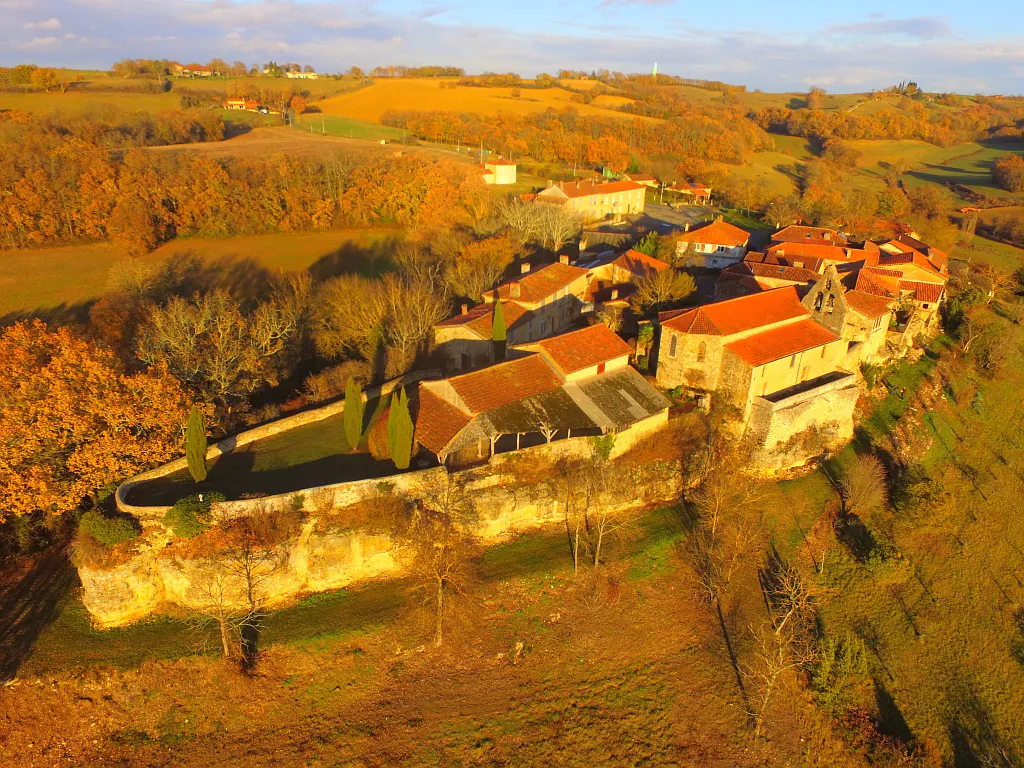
(72, 420)
(1008, 173)
(195, 444)
(350, 317)
(862, 486)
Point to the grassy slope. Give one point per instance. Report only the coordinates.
(49, 278)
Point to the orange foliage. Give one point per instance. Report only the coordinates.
(72, 420)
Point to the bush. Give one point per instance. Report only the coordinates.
(190, 516)
(870, 373)
(841, 664)
(109, 531)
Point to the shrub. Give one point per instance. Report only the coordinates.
(601, 447)
(871, 373)
(190, 516)
(1008, 173)
(841, 664)
(109, 531)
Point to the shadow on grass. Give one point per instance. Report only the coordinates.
(366, 260)
(29, 606)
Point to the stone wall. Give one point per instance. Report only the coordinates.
(149, 515)
(684, 369)
(500, 503)
(787, 431)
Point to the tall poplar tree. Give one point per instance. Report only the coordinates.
(195, 444)
(353, 413)
(400, 430)
(499, 334)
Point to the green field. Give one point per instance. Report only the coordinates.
(973, 170)
(51, 279)
(346, 127)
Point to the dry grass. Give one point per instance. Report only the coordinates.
(427, 94)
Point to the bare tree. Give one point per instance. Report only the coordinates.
(522, 218)
(995, 281)
(350, 316)
(412, 308)
(555, 226)
(862, 485)
(782, 212)
(661, 288)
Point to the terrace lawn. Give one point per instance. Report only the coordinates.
(346, 127)
(304, 457)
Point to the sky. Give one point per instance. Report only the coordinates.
(973, 47)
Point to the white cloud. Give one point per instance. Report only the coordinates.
(38, 42)
(47, 24)
(921, 27)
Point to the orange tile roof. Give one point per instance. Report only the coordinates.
(573, 189)
(922, 291)
(717, 233)
(505, 383)
(878, 282)
(822, 251)
(539, 284)
(437, 422)
(479, 318)
(640, 264)
(774, 271)
(809, 262)
(725, 318)
(498, 161)
(585, 348)
(780, 343)
(819, 235)
(868, 304)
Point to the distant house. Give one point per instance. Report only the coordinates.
(498, 171)
(715, 245)
(696, 194)
(576, 384)
(612, 278)
(301, 75)
(593, 200)
(249, 105)
(643, 178)
(811, 235)
(193, 70)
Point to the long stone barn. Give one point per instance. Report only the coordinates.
(576, 384)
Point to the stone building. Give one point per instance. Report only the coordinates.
(860, 318)
(579, 383)
(593, 200)
(714, 246)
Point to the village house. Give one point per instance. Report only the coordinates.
(752, 275)
(301, 75)
(537, 303)
(249, 105)
(714, 246)
(612, 278)
(643, 178)
(193, 70)
(691, 192)
(498, 171)
(576, 384)
(594, 200)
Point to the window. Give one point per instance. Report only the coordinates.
(831, 304)
(721, 249)
(792, 362)
(817, 302)
(702, 352)
(924, 306)
(672, 346)
(543, 327)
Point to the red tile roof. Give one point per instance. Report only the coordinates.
(725, 318)
(868, 304)
(778, 343)
(539, 284)
(437, 422)
(808, 262)
(774, 271)
(640, 264)
(821, 251)
(479, 318)
(878, 282)
(717, 233)
(585, 348)
(587, 188)
(820, 235)
(922, 291)
(504, 383)
(498, 161)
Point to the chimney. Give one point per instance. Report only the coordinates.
(563, 258)
(465, 309)
(828, 235)
(686, 227)
(514, 291)
(615, 294)
(718, 217)
(524, 268)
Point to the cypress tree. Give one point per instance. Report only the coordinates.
(195, 444)
(499, 334)
(352, 416)
(400, 431)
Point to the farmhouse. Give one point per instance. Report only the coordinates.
(301, 75)
(715, 245)
(643, 178)
(498, 171)
(692, 192)
(579, 383)
(593, 200)
(249, 105)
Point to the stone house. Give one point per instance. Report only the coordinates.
(714, 246)
(861, 319)
(465, 340)
(745, 348)
(594, 200)
(579, 383)
(753, 276)
(612, 278)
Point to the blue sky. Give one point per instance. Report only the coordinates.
(966, 47)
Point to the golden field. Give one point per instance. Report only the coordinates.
(372, 102)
